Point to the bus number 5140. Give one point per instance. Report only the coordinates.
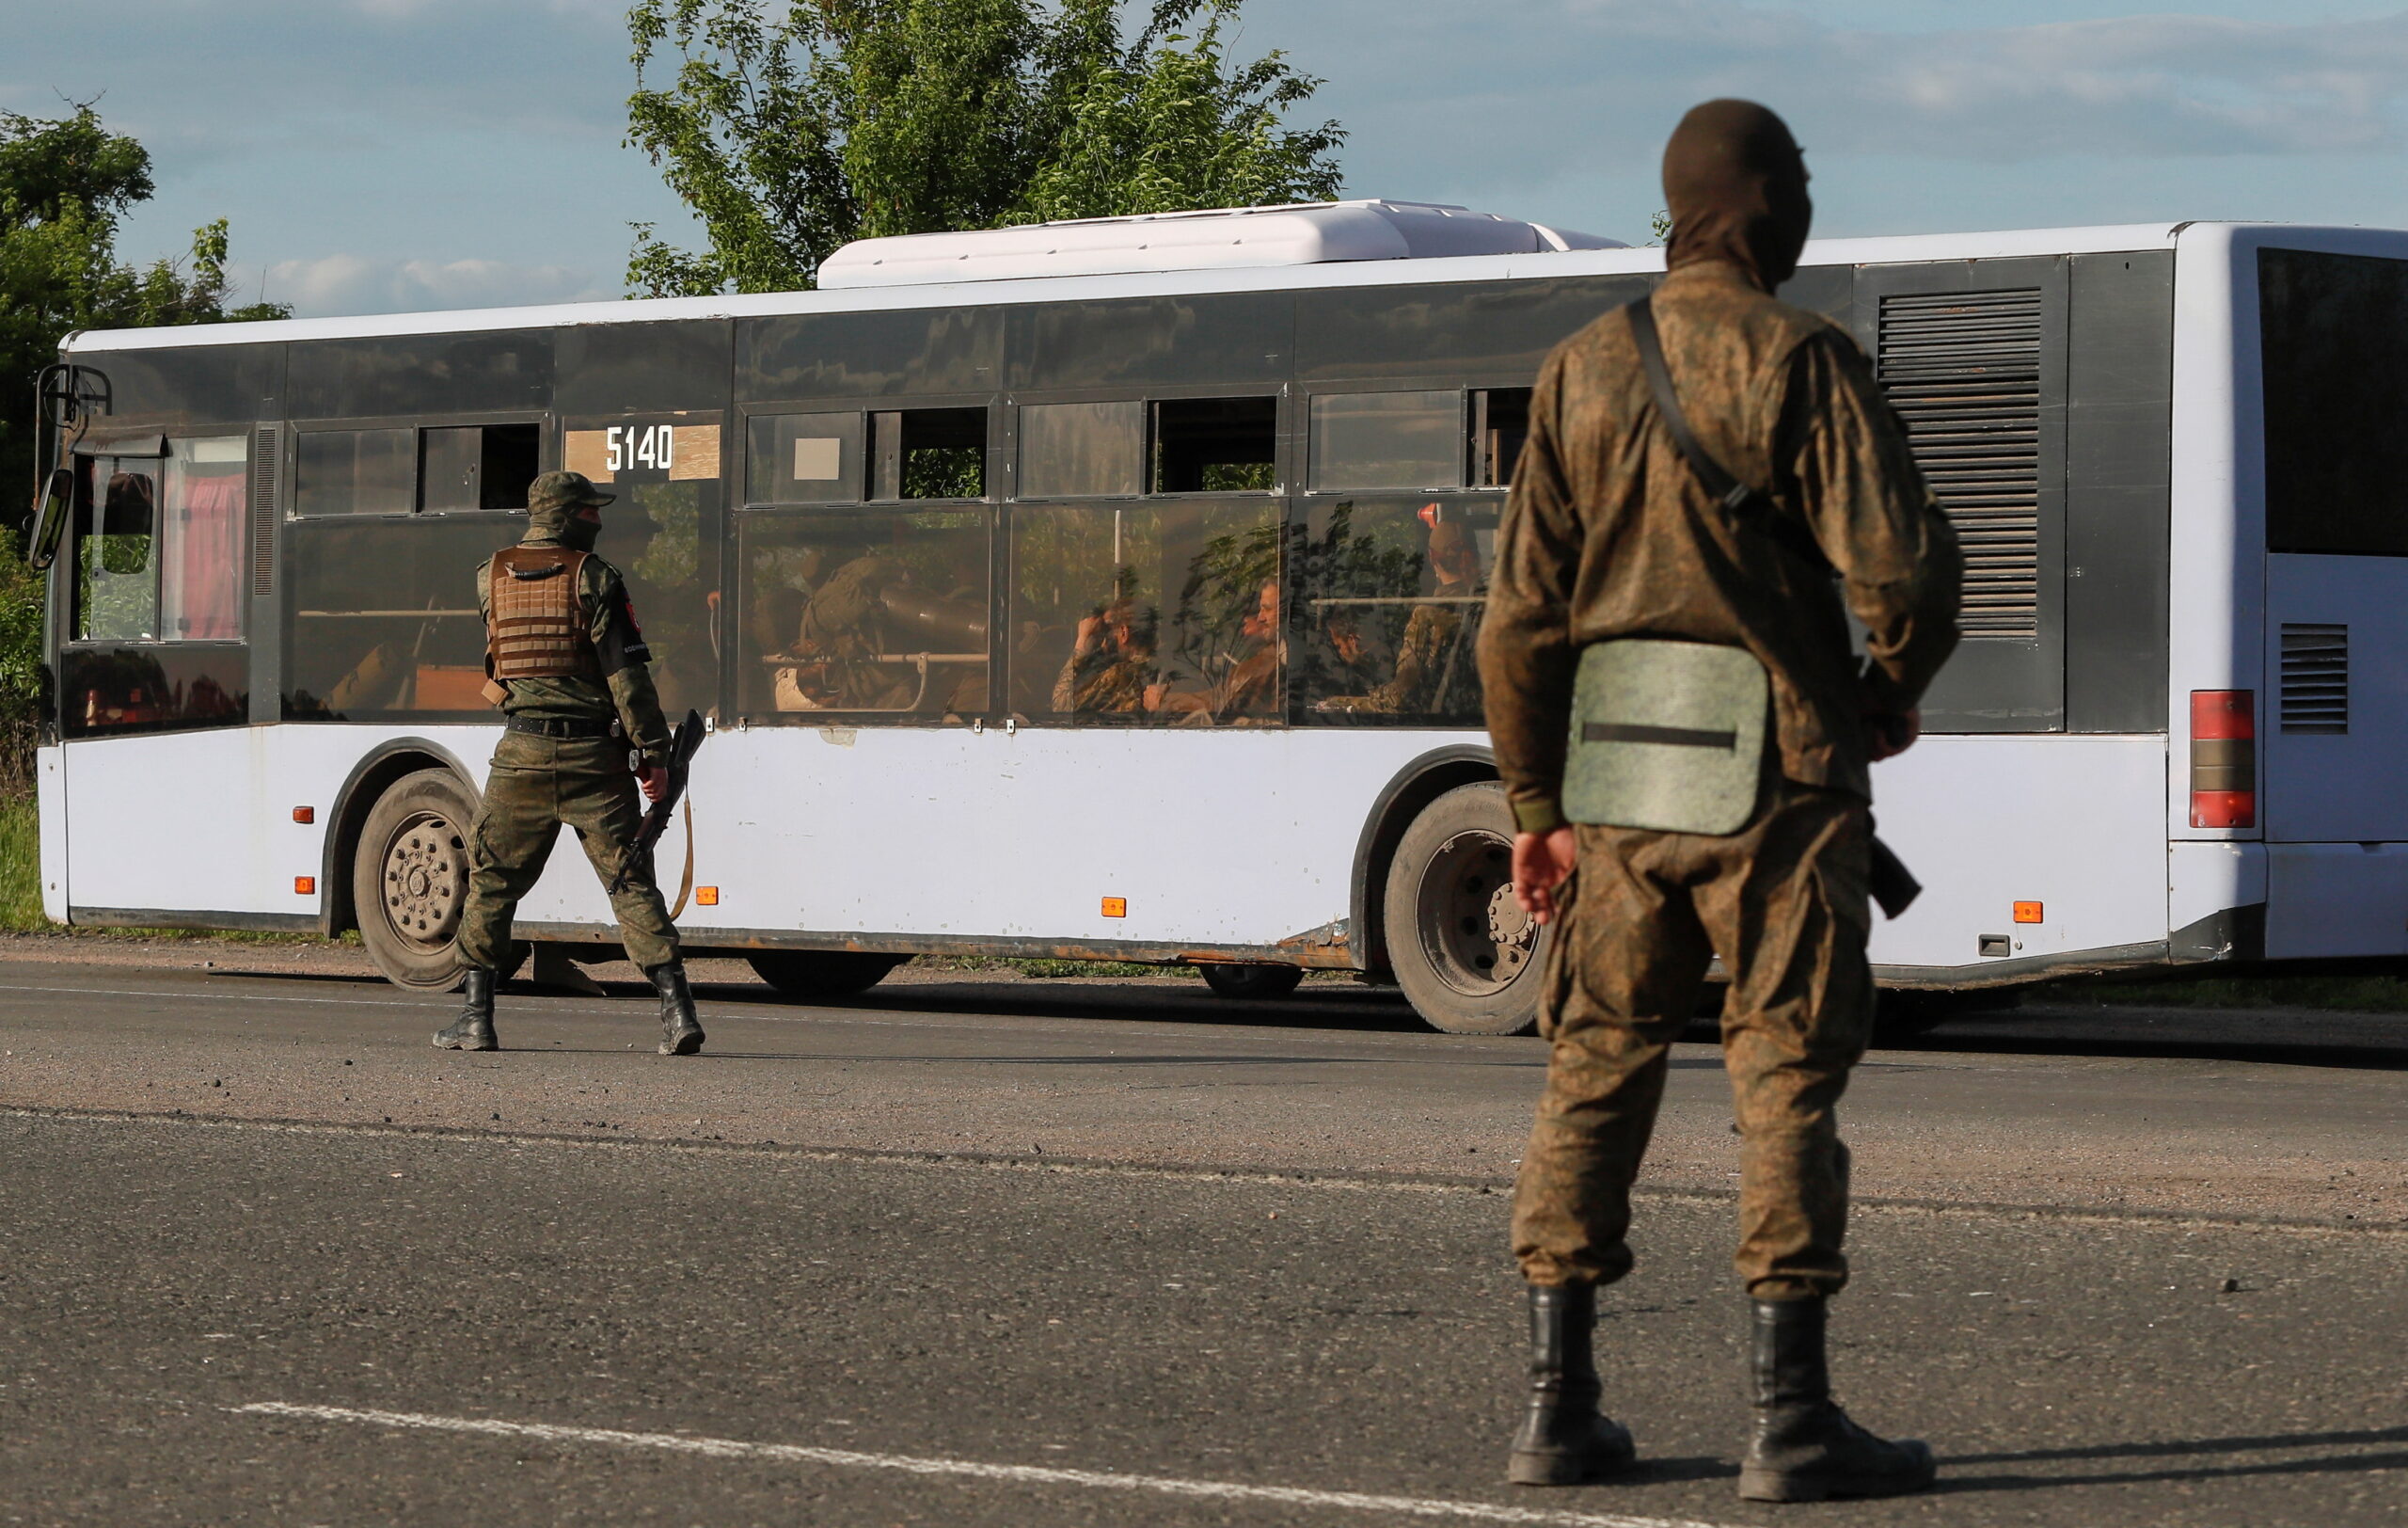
(633, 446)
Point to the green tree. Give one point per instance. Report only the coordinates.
(793, 128)
(64, 185)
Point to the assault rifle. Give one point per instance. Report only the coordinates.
(683, 745)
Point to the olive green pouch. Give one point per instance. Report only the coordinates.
(1668, 736)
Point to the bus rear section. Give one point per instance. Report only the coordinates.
(2331, 712)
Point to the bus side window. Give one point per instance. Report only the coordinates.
(1137, 614)
(803, 459)
(1082, 450)
(356, 472)
(1214, 445)
(930, 453)
(1387, 440)
(464, 468)
(117, 587)
(863, 611)
(1500, 422)
(1387, 610)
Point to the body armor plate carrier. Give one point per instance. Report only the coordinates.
(538, 628)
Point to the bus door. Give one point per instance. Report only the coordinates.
(150, 596)
(2332, 712)
(2334, 333)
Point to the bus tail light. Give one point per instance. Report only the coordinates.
(2224, 758)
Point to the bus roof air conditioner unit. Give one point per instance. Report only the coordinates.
(1311, 233)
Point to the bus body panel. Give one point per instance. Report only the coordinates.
(1985, 822)
(50, 789)
(2215, 605)
(953, 835)
(188, 822)
(2337, 900)
(2326, 786)
(2203, 880)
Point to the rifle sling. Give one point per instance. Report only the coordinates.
(1746, 504)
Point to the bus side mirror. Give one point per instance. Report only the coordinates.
(50, 516)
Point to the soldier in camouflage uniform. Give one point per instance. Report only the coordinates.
(1610, 535)
(569, 662)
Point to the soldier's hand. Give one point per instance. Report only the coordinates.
(1888, 735)
(652, 780)
(1541, 860)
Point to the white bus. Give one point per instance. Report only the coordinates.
(1107, 591)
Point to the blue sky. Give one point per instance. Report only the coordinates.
(387, 154)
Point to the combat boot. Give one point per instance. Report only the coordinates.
(1564, 1441)
(473, 1028)
(681, 1033)
(1803, 1447)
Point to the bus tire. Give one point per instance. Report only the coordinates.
(1464, 951)
(822, 973)
(409, 876)
(1251, 981)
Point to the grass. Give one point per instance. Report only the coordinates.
(21, 868)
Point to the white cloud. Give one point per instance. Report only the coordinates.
(345, 284)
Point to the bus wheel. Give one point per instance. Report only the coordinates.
(822, 973)
(1462, 949)
(409, 876)
(1251, 980)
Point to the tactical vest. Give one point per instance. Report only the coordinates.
(538, 628)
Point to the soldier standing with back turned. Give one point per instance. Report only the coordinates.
(1670, 670)
(563, 645)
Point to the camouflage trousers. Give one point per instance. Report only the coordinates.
(537, 785)
(1786, 904)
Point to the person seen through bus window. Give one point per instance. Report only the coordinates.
(1111, 670)
(1433, 634)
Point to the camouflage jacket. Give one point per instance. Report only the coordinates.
(1609, 533)
(627, 693)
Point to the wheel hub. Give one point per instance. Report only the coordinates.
(1478, 935)
(426, 878)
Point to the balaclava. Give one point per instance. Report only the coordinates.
(1735, 185)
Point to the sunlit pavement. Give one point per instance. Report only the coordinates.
(1066, 1253)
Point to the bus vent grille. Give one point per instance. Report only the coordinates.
(2316, 678)
(1963, 371)
(267, 455)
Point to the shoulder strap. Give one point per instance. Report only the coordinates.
(1744, 503)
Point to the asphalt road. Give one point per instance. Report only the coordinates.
(1038, 1252)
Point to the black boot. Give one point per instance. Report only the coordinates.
(473, 1028)
(1564, 1440)
(681, 1033)
(1804, 1448)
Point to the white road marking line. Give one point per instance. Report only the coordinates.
(1024, 1474)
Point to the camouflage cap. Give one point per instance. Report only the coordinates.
(563, 490)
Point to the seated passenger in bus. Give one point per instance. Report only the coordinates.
(837, 644)
(1111, 670)
(1247, 690)
(1436, 644)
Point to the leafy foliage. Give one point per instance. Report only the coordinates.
(794, 128)
(64, 185)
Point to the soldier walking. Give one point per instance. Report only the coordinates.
(565, 650)
(1684, 735)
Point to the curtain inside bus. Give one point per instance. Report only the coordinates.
(204, 540)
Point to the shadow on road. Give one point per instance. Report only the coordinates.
(2323, 1464)
(2287, 1037)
